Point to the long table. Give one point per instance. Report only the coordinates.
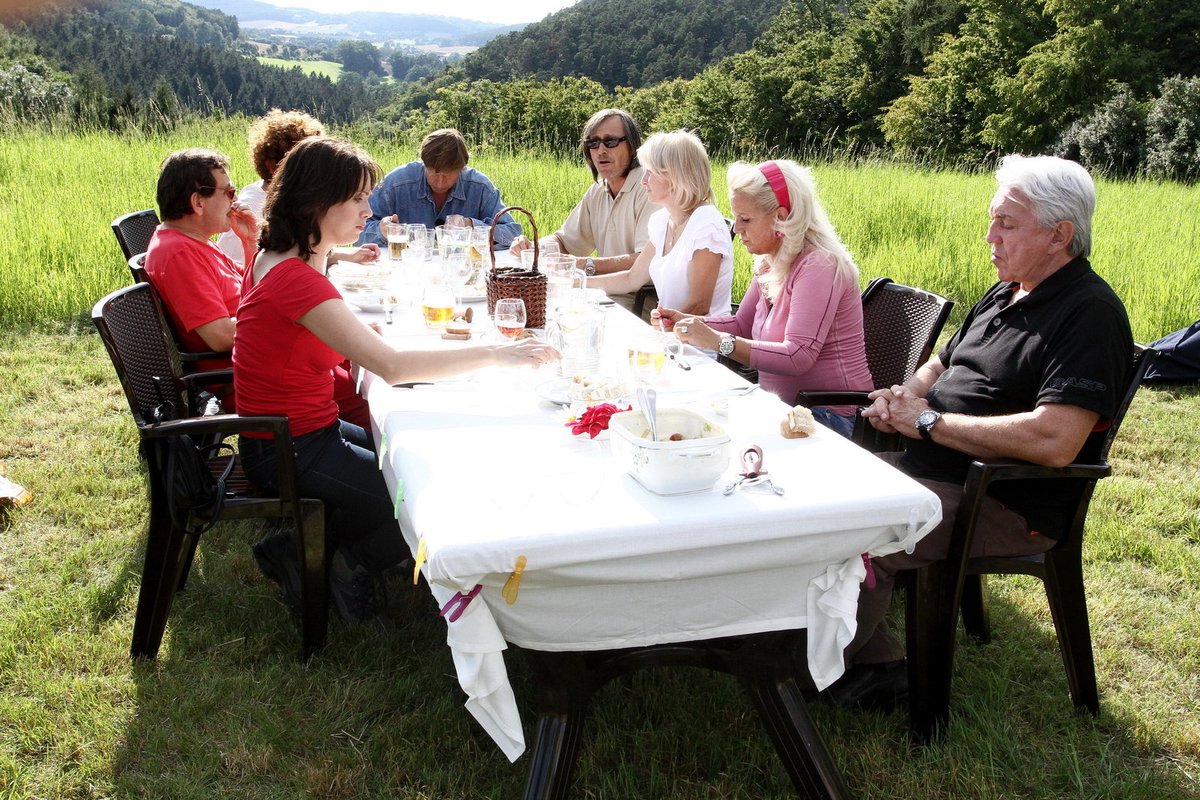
(492, 489)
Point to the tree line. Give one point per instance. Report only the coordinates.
(1114, 85)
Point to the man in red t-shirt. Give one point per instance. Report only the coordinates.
(200, 285)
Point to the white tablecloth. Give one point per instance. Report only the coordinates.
(483, 472)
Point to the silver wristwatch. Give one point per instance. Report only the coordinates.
(589, 266)
(725, 347)
(925, 422)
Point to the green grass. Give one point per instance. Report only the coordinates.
(330, 69)
(227, 710)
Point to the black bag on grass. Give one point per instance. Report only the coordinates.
(1178, 358)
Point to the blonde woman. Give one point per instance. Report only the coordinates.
(800, 324)
(689, 255)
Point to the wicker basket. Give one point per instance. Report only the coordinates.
(528, 285)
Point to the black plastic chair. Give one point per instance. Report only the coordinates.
(216, 360)
(134, 230)
(134, 330)
(901, 325)
(934, 592)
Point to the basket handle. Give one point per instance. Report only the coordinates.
(492, 235)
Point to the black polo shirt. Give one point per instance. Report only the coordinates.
(1068, 341)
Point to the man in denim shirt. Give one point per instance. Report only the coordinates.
(438, 188)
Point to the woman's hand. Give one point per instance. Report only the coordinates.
(365, 254)
(525, 352)
(664, 318)
(693, 331)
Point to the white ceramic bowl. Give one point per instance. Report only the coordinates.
(692, 464)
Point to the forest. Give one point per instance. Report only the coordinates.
(1114, 85)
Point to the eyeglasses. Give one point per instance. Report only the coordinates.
(610, 142)
(230, 191)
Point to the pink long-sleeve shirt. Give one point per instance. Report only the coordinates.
(811, 338)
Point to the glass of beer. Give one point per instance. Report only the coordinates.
(397, 239)
(510, 317)
(437, 305)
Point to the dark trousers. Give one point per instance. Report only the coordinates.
(337, 465)
(1001, 532)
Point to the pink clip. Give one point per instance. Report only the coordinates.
(456, 605)
(870, 579)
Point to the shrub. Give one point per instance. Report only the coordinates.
(1173, 131)
(1112, 139)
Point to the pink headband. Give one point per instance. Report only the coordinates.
(774, 176)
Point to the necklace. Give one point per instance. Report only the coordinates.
(673, 229)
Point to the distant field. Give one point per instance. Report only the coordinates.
(330, 69)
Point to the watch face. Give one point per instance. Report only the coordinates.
(725, 347)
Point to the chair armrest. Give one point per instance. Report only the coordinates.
(223, 425)
(208, 377)
(199, 355)
(985, 472)
(839, 398)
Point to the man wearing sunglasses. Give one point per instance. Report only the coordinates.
(610, 220)
(199, 284)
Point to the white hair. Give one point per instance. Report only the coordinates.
(1057, 189)
(806, 227)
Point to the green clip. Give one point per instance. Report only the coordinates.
(383, 446)
(399, 497)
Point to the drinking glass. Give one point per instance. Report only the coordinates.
(478, 248)
(646, 358)
(397, 239)
(510, 317)
(437, 305)
(456, 269)
(452, 239)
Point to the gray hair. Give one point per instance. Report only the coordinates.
(1057, 189)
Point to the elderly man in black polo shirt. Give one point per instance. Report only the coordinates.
(1038, 366)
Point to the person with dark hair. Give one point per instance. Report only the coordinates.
(199, 284)
(293, 329)
(437, 189)
(1035, 373)
(270, 137)
(611, 220)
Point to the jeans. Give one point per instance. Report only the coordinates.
(337, 466)
(835, 422)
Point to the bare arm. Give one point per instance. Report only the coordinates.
(702, 281)
(629, 280)
(1051, 434)
(218, 334)
(334, 323)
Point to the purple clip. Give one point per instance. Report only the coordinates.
(870, 579)
(456, 605)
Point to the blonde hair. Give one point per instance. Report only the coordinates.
(681, 157)
(806, 227)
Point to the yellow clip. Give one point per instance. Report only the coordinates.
(513, 584)
(420, 560)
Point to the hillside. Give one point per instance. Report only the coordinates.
(625, 42)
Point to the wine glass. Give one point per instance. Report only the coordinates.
(510, 317)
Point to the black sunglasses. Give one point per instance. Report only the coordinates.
(610, 142)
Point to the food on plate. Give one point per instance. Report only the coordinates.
(675, 437)
(798, 423)
(594, 388)
(459, 328)
(462, 337)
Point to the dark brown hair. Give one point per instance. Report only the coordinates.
(444, 150)
(182, 174)
(315, 175)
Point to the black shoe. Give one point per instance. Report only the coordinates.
(276, 557)
(870, 687)
(352, 590)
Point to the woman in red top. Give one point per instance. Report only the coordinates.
(293, 328)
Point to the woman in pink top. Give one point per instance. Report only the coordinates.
(800, 324)
(293, 329)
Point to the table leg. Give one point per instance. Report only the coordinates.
(765, 665)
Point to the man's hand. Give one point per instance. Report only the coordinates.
(518, 244)
(242, 222)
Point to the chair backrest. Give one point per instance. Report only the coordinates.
(137, 269)
(900, 326)
(1095, 450)
(134, 230)
(135, 334)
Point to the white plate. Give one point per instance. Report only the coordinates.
(556, 390)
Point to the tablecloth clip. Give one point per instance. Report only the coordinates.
(456, 605)
(513, 584)
(383, 448)
(419, 561)
(869, 581)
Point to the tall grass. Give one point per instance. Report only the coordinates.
(228, 710)
(919, 226)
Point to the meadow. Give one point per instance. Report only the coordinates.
(330, 69)
(228, 711)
